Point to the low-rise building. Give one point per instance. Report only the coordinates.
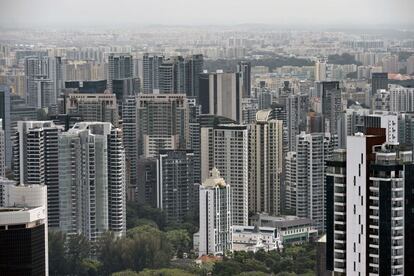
(253, 238)
(292, 229)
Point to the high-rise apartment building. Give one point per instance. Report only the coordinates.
(378, 81)
(92, 107)
(370, 198)
(245, 68)
(92, 180)
(225, 147)
(297, 107)
(120, 66)
(351, 121)
(330, 94)
(401, 99)
(175, 184)
(221, 94)
(5, 115)
(305, 183)
(265, 163)
(406, 129)
(320, 70)
(215, 215)
(35, 160)
(44, 80)
(145, 191)
(129, 128)
(195, 65)
(410, 65)
(151, 64)
(172, 76)
(162, 123)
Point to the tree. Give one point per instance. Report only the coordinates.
(227, 268)
(57, 258)
(108, 249)
(253, 273)
(125, 273)
(165, 272)
(180, 241)
(78, 249)
(90, 267)
(139, 214)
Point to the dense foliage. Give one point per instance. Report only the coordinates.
(294, 260)
(343, 59)
(70, 255)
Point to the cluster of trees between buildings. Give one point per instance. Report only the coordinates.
(152, 247)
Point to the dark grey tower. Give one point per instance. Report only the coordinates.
(245, 68)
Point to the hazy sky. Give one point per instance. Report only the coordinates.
(201, 12)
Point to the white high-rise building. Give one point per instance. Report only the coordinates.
(290, 181)
(226, 148)
(401, 99)
(265, 163)
(320, 70)
(307, 193)
(215, 215)
(92, 180)
(35, 160)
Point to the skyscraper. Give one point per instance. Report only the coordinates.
(221, 94)
(172, 76)
(195, 64)
(35, 160)
(175, 184)
(162, 123)
(265, 163)
(5, 115)
(297, 106)
(320, 70)
(130, 139)
(226, 148)
(215, 215)
(331, 104)
(151, 64)
(245, 68)
(120, 66)
(378, 81)
(307, 192)
(92, 107)
(370, 194)
(92, 180)
(44, 80)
